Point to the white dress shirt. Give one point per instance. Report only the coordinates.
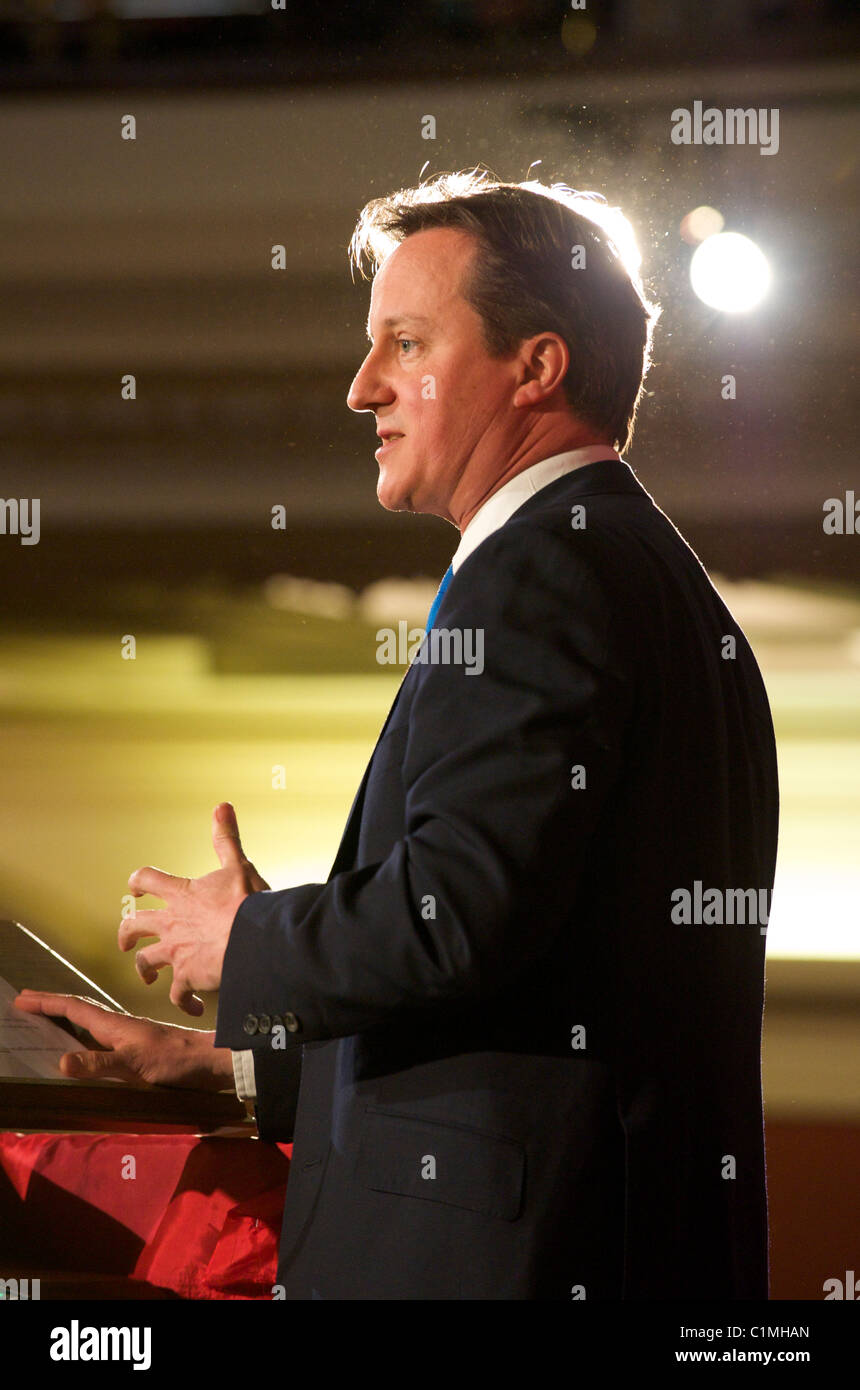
(488, 518)
(511, 496)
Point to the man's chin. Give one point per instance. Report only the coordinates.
(393, 499)
(397, 496)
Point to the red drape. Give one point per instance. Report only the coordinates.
(198, 1215)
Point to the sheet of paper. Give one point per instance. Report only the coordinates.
(30, 1044)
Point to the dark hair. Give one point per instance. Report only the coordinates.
(523, 282)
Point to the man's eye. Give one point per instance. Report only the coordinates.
(408, 341)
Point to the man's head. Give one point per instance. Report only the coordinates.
(505, 328)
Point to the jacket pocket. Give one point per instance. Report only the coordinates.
(441, 1163)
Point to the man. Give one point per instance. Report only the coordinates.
(516, 1057)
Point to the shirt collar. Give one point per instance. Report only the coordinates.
(497, 509)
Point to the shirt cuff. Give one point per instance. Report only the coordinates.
(243, 1071)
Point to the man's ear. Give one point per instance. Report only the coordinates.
(544, 360)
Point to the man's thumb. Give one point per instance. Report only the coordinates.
(93, 1065)
(225, 835)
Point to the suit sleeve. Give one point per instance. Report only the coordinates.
(495, 832)
(276, 1080)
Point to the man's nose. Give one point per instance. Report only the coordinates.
(368, 391)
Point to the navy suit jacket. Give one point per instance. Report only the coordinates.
(508, 1071)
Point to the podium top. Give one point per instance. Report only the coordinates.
(64, 1103)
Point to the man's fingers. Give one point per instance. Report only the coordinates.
(155, 958)
(96, 1018)
(183, 996)
(147, 963)
(149, 922)
(156, 882)
(225, 836)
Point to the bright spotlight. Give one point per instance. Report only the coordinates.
(730, 273)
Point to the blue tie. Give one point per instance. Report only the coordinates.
(434, 607)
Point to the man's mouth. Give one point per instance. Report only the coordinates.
(388, 441)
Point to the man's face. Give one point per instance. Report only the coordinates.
(428, 376)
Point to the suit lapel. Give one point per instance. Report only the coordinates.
(345, 857)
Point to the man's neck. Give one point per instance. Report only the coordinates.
(535, 453)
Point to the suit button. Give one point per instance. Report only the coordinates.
(291, 1023)
(264, 1023)
(251, 1023)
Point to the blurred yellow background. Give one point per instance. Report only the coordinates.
(110, 764)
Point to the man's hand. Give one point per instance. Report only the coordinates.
(140, 1049)
(194, 928)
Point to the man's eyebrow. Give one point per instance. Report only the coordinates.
(394, 319)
